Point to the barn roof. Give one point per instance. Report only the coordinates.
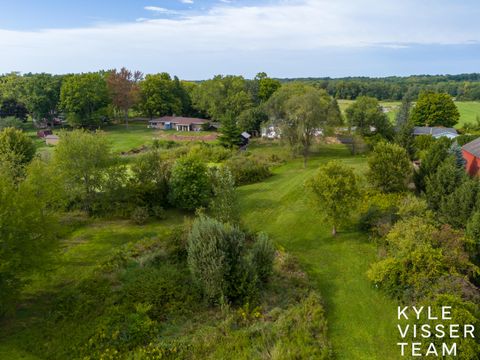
(434, 131)
(473, 147)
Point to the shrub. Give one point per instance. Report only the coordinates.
(473, 227)
(301, 332)
(263, 255)
(464, 139)
(149, 179)
(12, 122)
(159, 213)
(140, 215)
(189, 184)
(216, 261)
(224, 204)
(248, 170)
(16, 146)
(209, 153)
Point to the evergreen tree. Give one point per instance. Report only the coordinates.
(458, 207)
(436, 154)
(456, 151)
(230, 133)
(473, 227)
(443, 182)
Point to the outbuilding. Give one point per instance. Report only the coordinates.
(471, 154)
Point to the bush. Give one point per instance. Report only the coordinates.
(12, 122)
(263, 255)
(224, 204)
(159, 213)
(140, 215)
(217, 263)
(248, 170)
(189, 184)
(210, 153)
(16, 147)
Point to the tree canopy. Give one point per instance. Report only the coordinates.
(435, 109)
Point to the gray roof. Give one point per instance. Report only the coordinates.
(434, 131)
(473, 147)
(246, 135)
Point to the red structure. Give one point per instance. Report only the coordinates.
(471, 153)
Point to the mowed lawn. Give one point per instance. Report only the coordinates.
(469, 110)
(361, 319)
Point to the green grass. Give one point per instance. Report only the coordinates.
(84, 247)
(469, 110)
(361, 319)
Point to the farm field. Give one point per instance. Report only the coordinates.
(361, 319)
(469, 110)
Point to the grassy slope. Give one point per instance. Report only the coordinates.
(361, 319)
(81, 251)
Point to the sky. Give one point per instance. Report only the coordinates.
(197, 39)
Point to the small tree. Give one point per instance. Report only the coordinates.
(190, 187)
(335, 192)
(366, 113)
(263, 255)
(84, 160)
(389, 167)
(436, 154)
(457, 208)
(473, 227)
(16, 146)
(230, 133)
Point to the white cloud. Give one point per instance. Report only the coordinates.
(160, 10)
(186, 1)
(201, 40)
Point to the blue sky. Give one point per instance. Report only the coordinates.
(196, 39)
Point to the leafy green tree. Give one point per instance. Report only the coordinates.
(84, 97)
(266, 86)
(436, 154)
(84, 160)
(149, 179)
(251, 120)
(301, 113)
(221, 95)
(418, 257)
(158, 97)
(11, 107)
(16, 146)
(224, 204)
(335, 191)
(390, 168)
(43, 95)
(443, 182)
(190, 186)
(229, 132)
(366, 113)
(435, 109)
(123, 89)
(27, 237)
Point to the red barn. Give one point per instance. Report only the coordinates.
(471, 153)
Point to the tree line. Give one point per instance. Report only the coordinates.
(464, 87)
(89, 100)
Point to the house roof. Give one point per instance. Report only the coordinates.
(473, 147)
(434, 131)
(180, 120)
(246, 135)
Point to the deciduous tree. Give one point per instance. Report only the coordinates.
(435, 109)
(335, 192)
